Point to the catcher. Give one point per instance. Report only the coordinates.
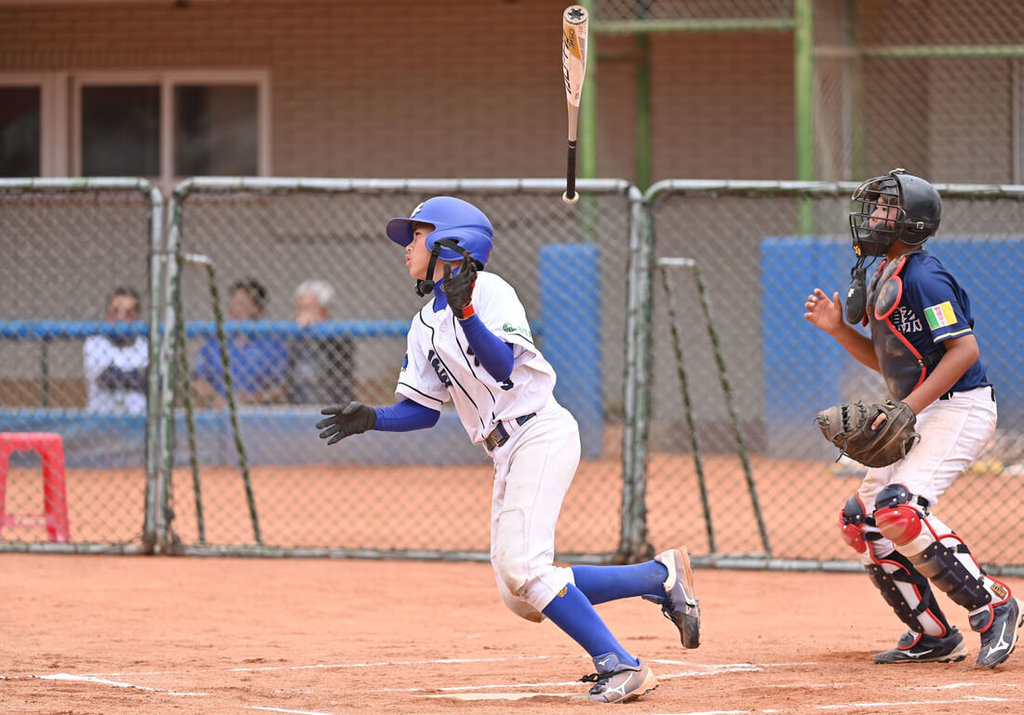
(940, 415)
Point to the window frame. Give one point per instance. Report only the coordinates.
(61, 112)
(167, 81)
(53, 137)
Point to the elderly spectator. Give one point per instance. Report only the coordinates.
(319, 368)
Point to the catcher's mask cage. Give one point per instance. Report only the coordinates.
(461, 230)
(914, 204)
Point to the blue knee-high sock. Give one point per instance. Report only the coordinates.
(610, 583)
(571, 611)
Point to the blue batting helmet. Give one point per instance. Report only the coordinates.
(452, 218)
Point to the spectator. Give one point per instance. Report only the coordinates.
(319, 368)
(258, 362)
(116, 366)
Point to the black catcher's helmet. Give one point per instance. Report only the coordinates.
(918, 210)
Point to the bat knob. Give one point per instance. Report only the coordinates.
(570, 199)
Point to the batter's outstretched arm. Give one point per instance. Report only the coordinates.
(405, 416)
(355, 418)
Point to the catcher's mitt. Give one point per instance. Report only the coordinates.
(849, 428)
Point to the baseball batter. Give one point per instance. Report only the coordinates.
(922, 342)
(471, 344)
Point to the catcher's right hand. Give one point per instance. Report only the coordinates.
(346, 420)
(850, 427)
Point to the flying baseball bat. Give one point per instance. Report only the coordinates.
(574, 68)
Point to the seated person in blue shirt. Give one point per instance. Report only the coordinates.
(258, 362)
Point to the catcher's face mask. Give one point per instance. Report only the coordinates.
(895, 207)
(875, 223)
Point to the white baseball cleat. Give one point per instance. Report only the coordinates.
(615, 682)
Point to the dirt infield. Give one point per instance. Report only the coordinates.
(114, 634)
(385, 508)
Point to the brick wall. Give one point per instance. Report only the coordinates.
(472, 88)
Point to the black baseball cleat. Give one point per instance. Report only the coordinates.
(680, 604)
(916, 647)
(1000, 638)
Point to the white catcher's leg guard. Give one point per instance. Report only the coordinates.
(938, 553)
(906, 590)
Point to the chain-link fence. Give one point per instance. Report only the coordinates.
(933, 85)
(937, 84)
(420, 492)
(753, 372)
(674, 321)
(74, 348)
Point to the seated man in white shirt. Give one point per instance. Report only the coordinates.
(116, 366)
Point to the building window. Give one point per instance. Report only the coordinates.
(215, 130)
(121, 130)
(20, 131)
(163, 126)
(171, 126)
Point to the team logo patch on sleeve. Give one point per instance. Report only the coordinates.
(939, 316)
(517, 330)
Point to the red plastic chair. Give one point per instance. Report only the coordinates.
(50, 448)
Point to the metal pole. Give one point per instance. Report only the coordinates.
(677, 343)
(803, 78)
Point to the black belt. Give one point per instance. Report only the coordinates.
(499, 435)
(950, 394)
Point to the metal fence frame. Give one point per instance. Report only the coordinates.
(642, 378)
(156, 262)
(632, 503)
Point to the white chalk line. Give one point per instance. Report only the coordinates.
(953, 686)
(114, 683)
(905, 703)
(700, 671)
(479, 692)
(315, 666)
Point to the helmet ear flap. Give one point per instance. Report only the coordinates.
(423, 287)
(454, 245)
(921, 209)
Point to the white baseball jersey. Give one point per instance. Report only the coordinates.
(439, 364)
(99, 353)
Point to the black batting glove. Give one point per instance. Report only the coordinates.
(459, 290)
(350, 419)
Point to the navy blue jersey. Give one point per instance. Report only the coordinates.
(934, 308)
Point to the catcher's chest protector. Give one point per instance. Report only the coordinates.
(901, 364)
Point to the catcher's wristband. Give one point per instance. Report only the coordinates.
(467, 312)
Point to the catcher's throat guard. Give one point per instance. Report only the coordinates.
(857, 295)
